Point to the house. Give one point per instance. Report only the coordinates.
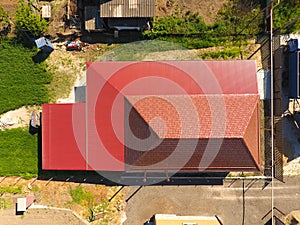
(117, 14)
(185, 116)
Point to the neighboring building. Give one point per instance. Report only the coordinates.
(172, 219)
(117, 14)
(294, 68)
(210, 113)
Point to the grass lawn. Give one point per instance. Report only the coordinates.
(22, 81)
(18, 153)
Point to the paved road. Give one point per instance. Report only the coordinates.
(225, 201)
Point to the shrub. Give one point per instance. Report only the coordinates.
(11, 190)
(223, 54)
(29, 21)
(286, 16)
(176, 25)
(4, 18)
(80, 196)
(5, 25)
(5, 203)
(238, 21)
(240, 18)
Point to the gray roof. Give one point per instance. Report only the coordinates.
(127, 8)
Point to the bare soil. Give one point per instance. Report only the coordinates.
(10, 6)
(207, 9)
(39, 217)
(57, 195)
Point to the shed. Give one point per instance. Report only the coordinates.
(46, 11)
(127, 8)
(119, 14)
(166, 219)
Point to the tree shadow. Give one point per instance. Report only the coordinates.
(41, 56)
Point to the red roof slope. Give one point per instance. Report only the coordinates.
(165, 77)
(188, 128)
(63, 134)
(232, 114)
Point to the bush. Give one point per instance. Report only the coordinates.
(223, 54)
(238, 21)
(176, 25)
(286, 14)
(4, 18)
(80, 196)
(29, 21)
(11, 190)
(4, 22)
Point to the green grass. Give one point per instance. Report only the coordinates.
(22, 81)
(6, 203)
(81, 196)
(18, 153)
(226, 54)
(11, 190)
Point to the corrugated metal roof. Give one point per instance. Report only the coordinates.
(195, 77)
(127, 8)
(61, 150)
(46, 11)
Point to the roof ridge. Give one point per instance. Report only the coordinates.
(142, 117)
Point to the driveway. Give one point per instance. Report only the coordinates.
(232, 203)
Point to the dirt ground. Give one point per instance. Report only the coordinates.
(207, 9)
(39, 217)
(56, 194)
(10, 6)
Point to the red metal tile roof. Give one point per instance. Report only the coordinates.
(233, 142)
(193, 116)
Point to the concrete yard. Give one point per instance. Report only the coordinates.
(225, 201)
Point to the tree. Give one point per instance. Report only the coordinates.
(240, 18)
(29, 21)
(286, 16)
